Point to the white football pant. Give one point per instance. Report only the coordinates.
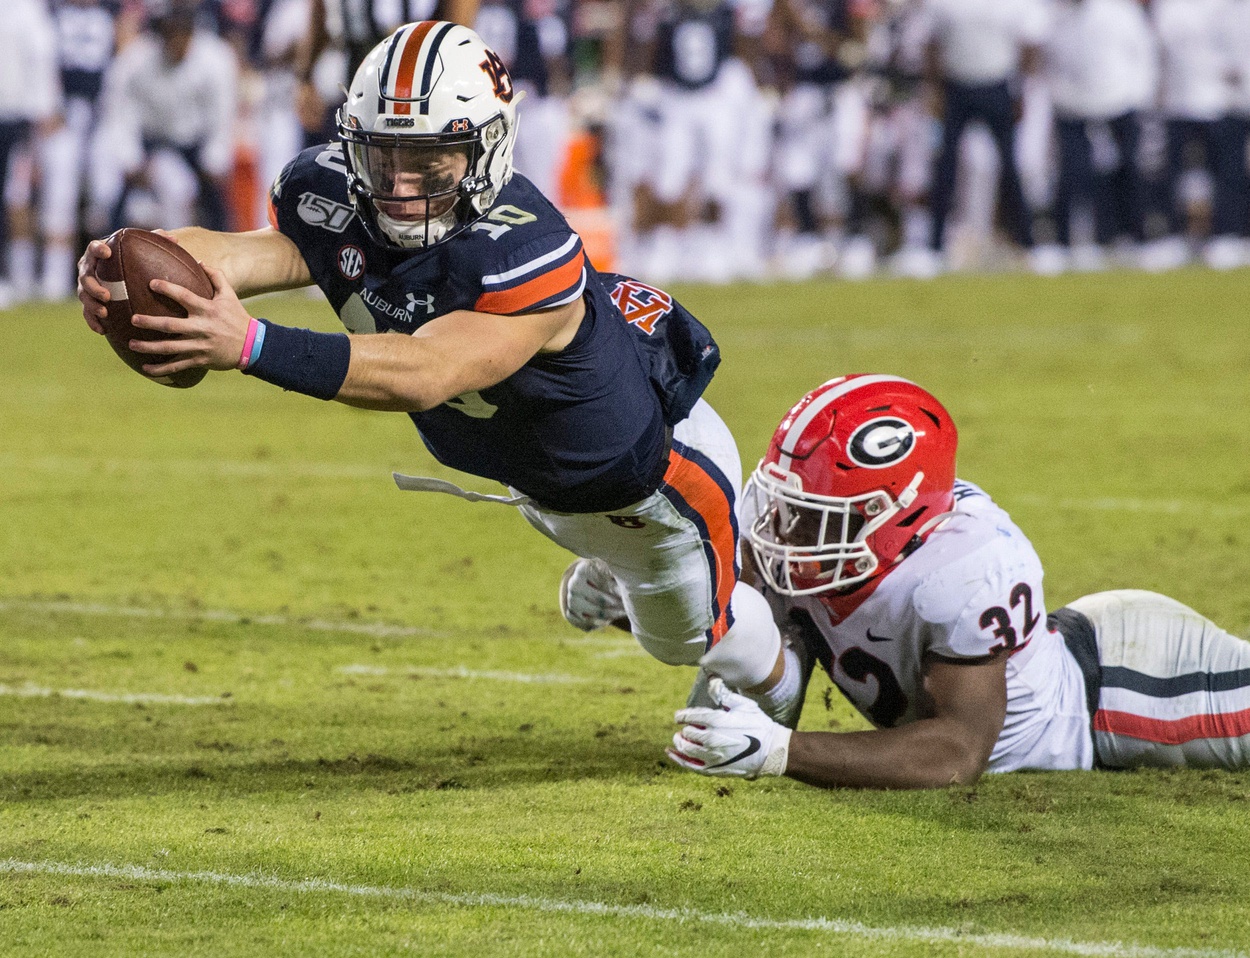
(674, 556)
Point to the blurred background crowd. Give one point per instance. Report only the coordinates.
(697, 140)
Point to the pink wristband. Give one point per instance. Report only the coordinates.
(246, 356)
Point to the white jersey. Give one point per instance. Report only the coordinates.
(1235, 32)
(973, 588)
(980, 41)
(1102, 59)
(30, 87)
(1195, 69)
(190, 104)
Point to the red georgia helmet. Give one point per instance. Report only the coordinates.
(859, 472)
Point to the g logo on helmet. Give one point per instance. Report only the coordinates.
(881, 442)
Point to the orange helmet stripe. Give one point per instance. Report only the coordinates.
(408, 65)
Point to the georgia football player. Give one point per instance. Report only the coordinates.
(514, 358)
(924, 602)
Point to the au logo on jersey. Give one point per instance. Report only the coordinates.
(641, 305)
(352, 262)
(881, 442)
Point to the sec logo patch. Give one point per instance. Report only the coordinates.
(352, 262)
(881, 442)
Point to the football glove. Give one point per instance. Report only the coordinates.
(735, 738)
(589, 598)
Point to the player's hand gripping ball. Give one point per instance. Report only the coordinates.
(138, 258)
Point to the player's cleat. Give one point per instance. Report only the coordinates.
(589, 598)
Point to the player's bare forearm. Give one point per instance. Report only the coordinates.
(924, 754)
(966, 705)
(455, 354)
(259, 261)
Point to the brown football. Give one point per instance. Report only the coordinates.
(138, 258)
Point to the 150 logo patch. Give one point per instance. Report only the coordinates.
(318, 211)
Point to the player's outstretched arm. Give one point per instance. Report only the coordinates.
(951, 747)
(452, 355)
(260, 261)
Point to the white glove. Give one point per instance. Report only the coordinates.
(589, 598)
(736, 738)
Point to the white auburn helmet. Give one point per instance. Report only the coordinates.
(857, 475)
(430, 93)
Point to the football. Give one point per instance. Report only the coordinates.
(138, 258)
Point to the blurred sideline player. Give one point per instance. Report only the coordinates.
(823, 119)
(30, 95)
(1102, 67)
(1195, 97)
(170, 103)
(534, 39)
(516, 361)
(86, 42)
(276, 46)
(1235, 251)
(898, 151)
(923, 601)
(980, 53)
(692, 180)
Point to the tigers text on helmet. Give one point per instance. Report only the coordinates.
(858, 473)
(427, 131)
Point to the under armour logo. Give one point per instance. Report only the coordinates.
(427, 301)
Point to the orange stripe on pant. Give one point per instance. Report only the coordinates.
(703, 495)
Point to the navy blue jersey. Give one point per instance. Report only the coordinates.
(581, 430)
(86, 36)
(814, 62)
(692, 43)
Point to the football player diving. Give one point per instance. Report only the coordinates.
(923, 601)
(515, 359)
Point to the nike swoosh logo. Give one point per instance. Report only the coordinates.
(751, 749)
(878, 638)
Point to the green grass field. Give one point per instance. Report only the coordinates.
(255, 701)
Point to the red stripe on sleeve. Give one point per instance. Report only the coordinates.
(1174, 731)
(519, 298)
(705, 496)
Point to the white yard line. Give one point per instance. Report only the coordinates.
(378, 629)
(834, 927)
(30, 691)
(460, 672)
